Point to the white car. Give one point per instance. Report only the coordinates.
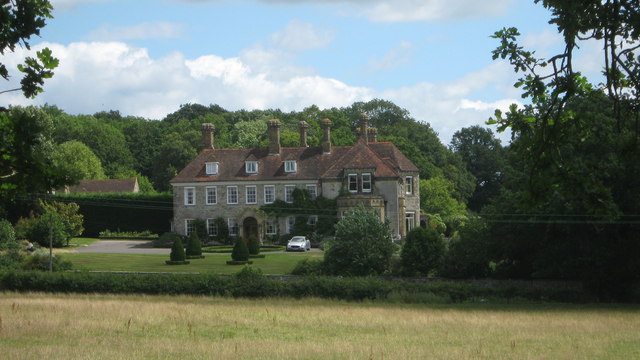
(299, 243)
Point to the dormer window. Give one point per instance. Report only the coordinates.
(211, 168)
(251, 167)
(290, 166)
(366, 183)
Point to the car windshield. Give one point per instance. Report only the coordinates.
(297, 239)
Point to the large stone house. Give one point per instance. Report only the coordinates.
(235, 183)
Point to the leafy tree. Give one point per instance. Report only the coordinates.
(69, 213)
(7, 236)
(249, 133)
(49, 226)
(194, 246)
(468, 253)
(362, 245)
(482, 153)
(422, 251)
(172, 156)
(436, 197)
(240, 251)
(77, 161)
(20, 21)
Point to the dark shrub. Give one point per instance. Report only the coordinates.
(467, 256)
(7, 236)
(222, 235)
(177, 255)
(165, 240)
(240, 251)
(308, 267)
(422, 251)
(39, 260)
(253, 245)
(200, 227)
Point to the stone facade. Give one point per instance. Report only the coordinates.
(235, 183)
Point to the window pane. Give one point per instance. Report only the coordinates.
(288, 193)
(353, 183)
(251, 194)
(366, 182)
(232, 194)
(269, 194)
(212, 195)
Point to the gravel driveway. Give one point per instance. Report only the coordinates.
(122, 247)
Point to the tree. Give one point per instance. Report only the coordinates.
(69, 213)
(20, 21)
(468, 253)
(222, 228)
(422, 251)
(482, 153)
(7, 236)
(77, 161)
(362, 245)
(49, 226)
(172, 156)
(436, 197)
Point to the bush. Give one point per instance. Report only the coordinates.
(467, 256)
(253, 245)
(240, 251)
(308, 267)
(7, 236)
(200, 228)
(39, 260)
(361, 247)
(49, 224)
(194, 247)
(422, 251)
(222, 235)
(11, 259)
(165, 240)
(24, 227)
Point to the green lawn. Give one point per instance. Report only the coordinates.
(276, 264)
(75, 242)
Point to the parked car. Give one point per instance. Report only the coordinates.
(299, 243)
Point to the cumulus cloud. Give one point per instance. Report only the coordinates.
(153, 30)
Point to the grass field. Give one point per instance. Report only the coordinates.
(275, 264)
(45, 326)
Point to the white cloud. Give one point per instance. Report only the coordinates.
(70, 4)
(154, 30)
(299, 35)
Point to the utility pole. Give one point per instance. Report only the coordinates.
(50, 247)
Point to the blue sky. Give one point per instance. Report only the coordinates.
(145, 58)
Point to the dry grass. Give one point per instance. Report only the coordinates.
(38, 326)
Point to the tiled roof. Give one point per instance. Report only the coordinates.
(311, 162)
(129, 185)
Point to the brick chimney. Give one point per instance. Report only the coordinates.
(274, 137)
(373, 134)
(207, 136)
(303, 133)
(326, 139)
(364, 124)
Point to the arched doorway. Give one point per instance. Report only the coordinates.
(250, 227)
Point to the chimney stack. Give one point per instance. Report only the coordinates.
(207, 136)
(326, 140)
(303, 133)
(274, 137)
(373, 134)
(364, 123)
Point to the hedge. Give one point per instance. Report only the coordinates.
(250, 282)
(122, 212)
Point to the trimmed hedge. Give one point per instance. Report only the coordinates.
(250, 282)
(122, 212)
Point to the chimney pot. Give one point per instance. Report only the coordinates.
(326, 140)
(303, 133)
(274, 137)
(364, 124)
(373, 134)
(207, 136)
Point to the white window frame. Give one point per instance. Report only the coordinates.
(251, 167)
(189, 226)
(290, 166)
(291, 221)
(269, 190)
(367, 185)
(313, 191)
(189, 196)
(288, 193)
(211, 193)
(212, 228)
(232, 224)
(408, 185)
(248, 196)
(270, 227)
(410, 220)
(353, 177)
(211, 168)
(232, 190)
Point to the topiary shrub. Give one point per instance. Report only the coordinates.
(177, 255)
(253, 245)
(422, 251)
(240, 253)
(194, 247)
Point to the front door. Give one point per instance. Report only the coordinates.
(250, 227)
